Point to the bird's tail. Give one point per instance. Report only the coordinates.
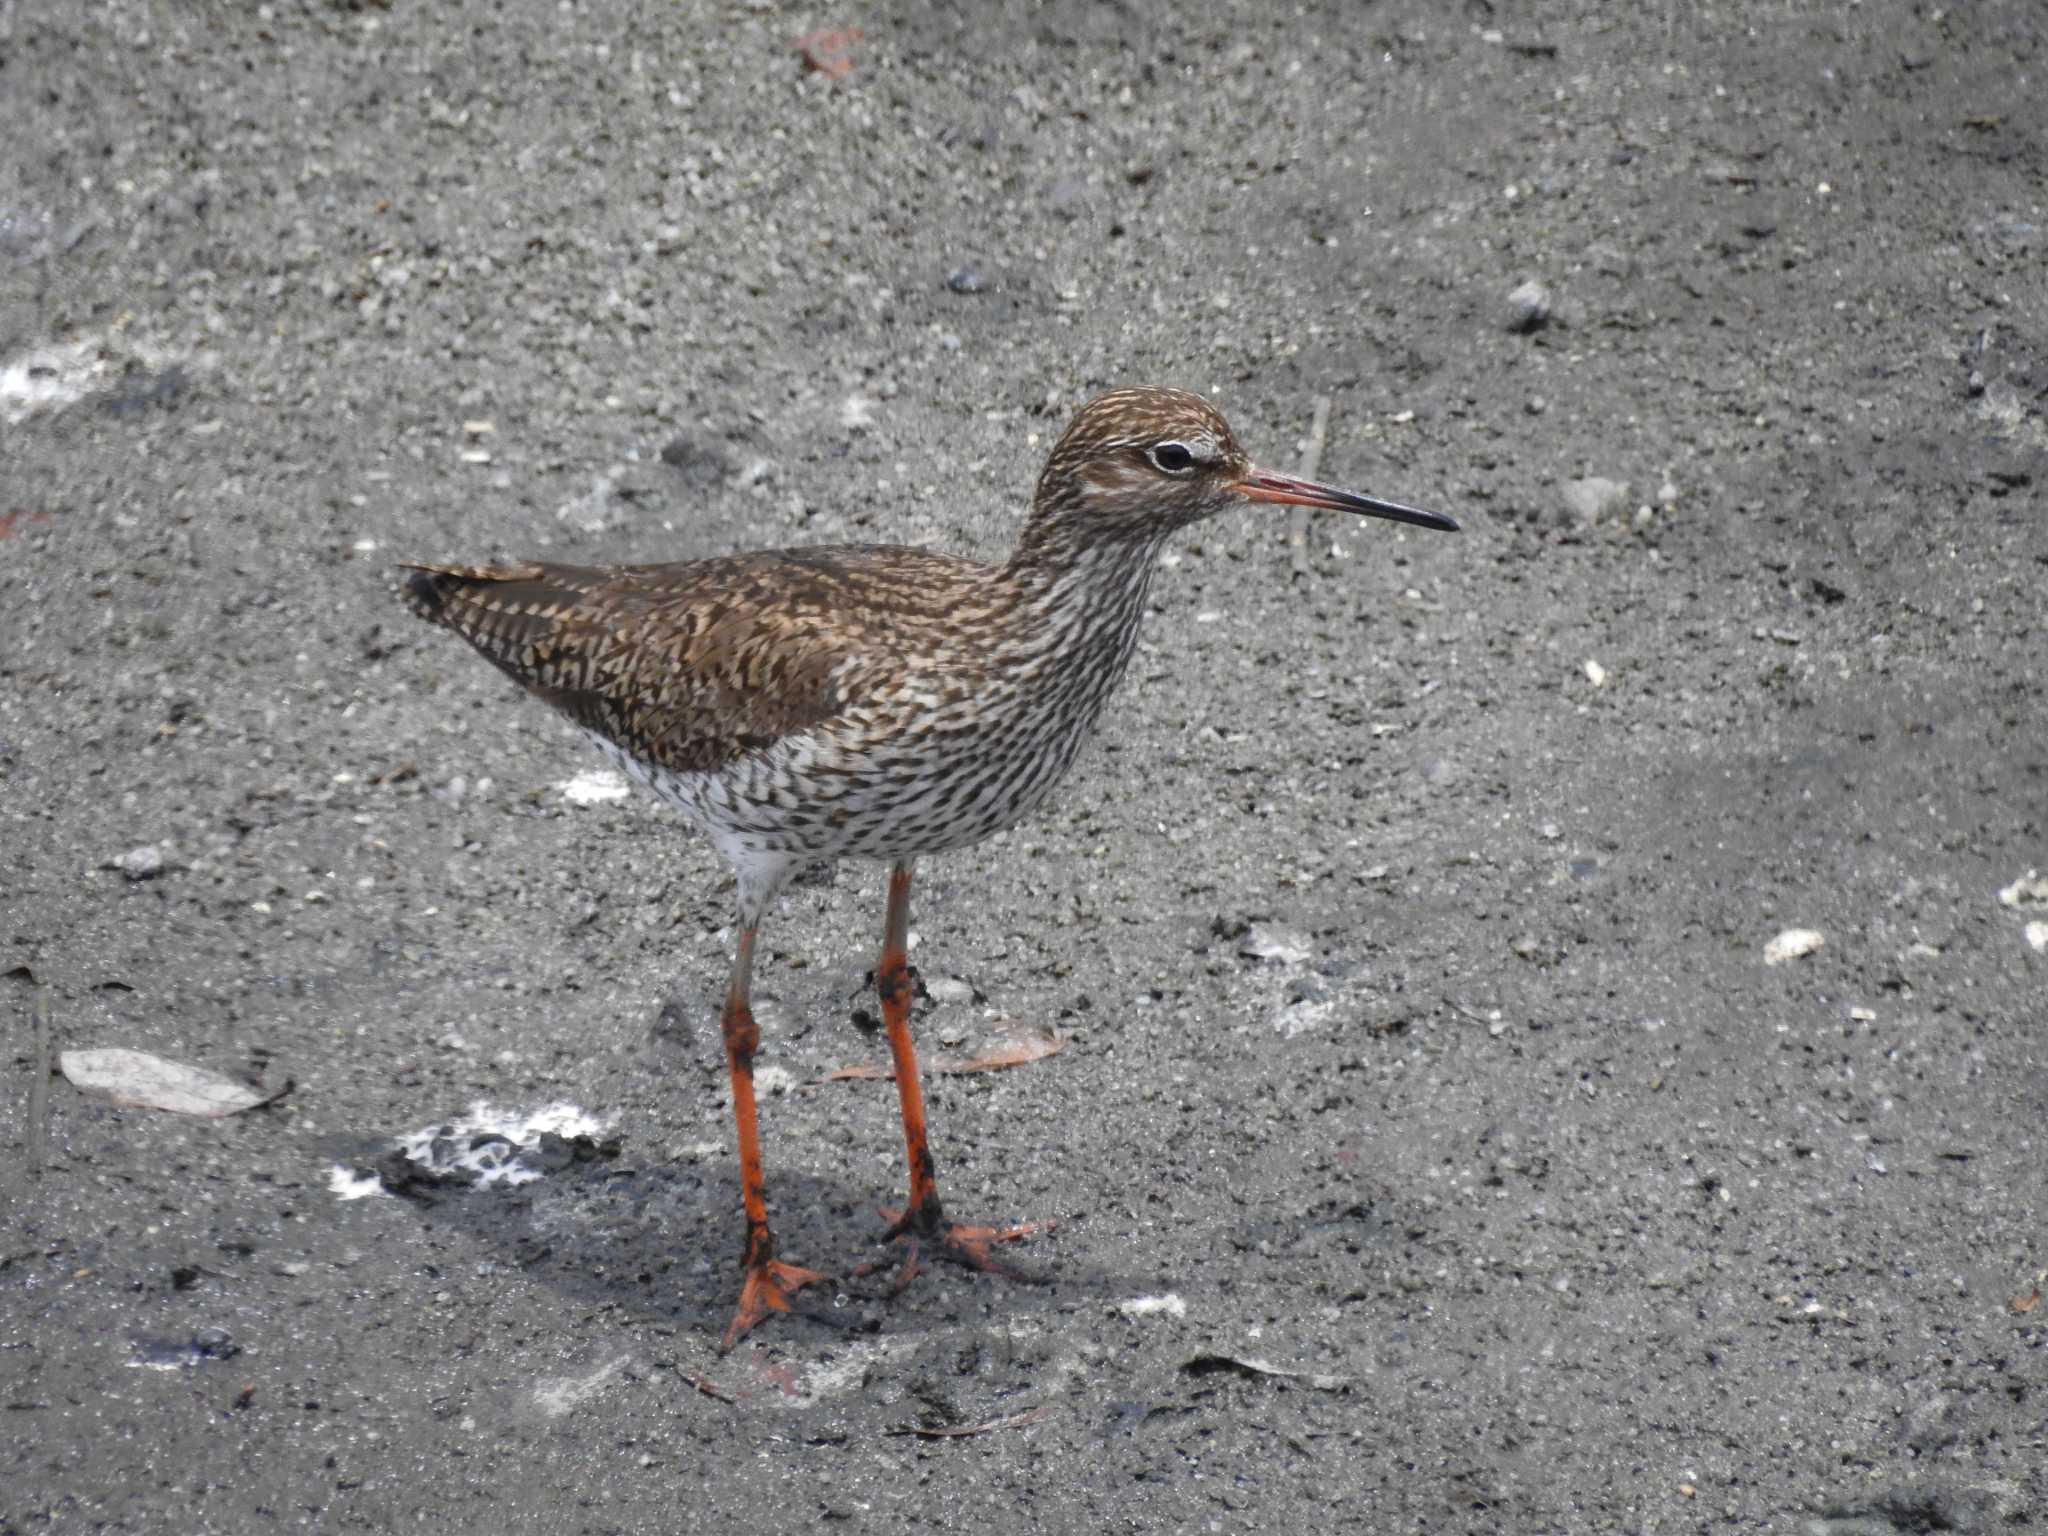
(526, 618)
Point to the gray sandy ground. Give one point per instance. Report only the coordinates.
(1571, 1213)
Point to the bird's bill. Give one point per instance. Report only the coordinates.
(1264, 485)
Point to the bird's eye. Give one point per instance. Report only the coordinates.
(1173, 458)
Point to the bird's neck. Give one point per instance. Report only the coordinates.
(1054, 573)
(1082, 604)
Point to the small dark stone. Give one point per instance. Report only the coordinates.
(486, 1154)
(674, 1024)
(966, 280)
(1227, 928)
(699, 462)
(552, 1154)
(214, 1344)
(408, 1180)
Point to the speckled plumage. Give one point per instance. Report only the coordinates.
(869, 701)
(816, 703)
(809, 704)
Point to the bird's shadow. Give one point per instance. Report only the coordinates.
(657, 1241)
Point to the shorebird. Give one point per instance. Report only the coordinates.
(802, 705)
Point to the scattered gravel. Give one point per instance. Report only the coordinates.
(1509, 1190)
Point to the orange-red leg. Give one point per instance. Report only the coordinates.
(769, 1283)
(923, 1221)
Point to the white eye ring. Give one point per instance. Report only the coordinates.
(1171, 458)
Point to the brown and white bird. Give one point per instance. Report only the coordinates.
(800, 705)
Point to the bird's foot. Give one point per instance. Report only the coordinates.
(971, 1247)
(769, 1287)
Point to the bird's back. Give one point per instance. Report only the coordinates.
(864, 700)
(691, 668)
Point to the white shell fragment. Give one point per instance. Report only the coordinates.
(2030, 890)
(1272, 941)
(144, 1081)
(1792, 944)
(595, 786)
(347, 1184)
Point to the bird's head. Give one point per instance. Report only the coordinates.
(1139, 463)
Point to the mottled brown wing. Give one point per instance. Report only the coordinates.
(686, 666)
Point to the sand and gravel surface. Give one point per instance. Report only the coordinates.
(1447, 1135)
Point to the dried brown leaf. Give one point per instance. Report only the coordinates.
(1018, 1051)
(1021, 1051)
(830, 50)
(858, 1071)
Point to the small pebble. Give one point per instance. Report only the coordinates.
(215, 1344)
(966, 280)
(698, 459)
(1528, 307)
(144, 863)
(1792, 944)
